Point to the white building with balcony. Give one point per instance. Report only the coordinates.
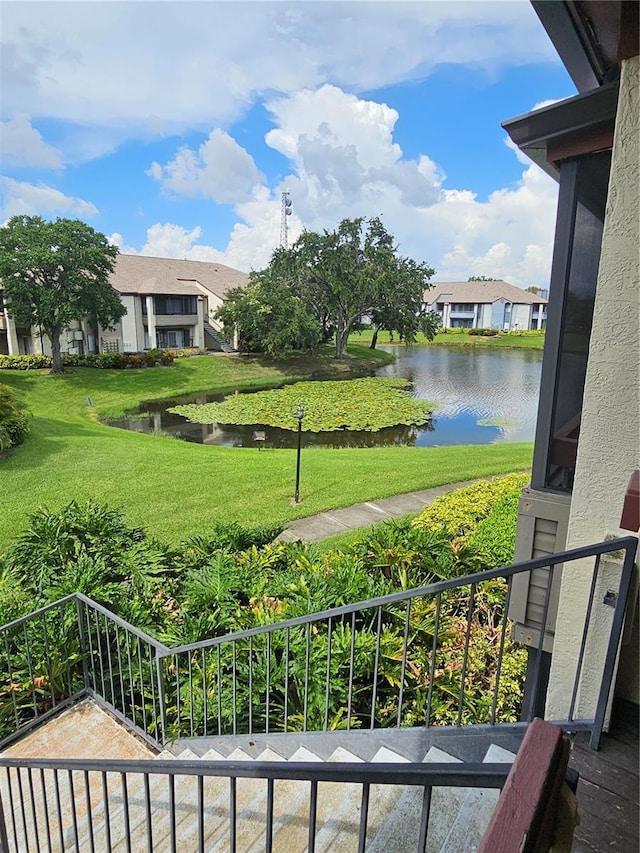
(487, 305)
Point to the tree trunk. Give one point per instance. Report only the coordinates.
(54, 337)
(374, 339)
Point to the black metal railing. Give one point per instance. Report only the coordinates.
(441, 654)
(160, 805)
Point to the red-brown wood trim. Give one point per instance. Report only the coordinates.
(631, 506)
(580, 142)
(525, 816)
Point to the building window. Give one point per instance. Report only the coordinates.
(461, 323)
(169, 338)
(167, 305)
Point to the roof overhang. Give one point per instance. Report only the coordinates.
(591, 36)
(583, 124)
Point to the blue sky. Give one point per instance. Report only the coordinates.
(174, 127)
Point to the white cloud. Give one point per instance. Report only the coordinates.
(345, 163)
(220, 170)
(142, 68)
(21, 198)
(22, 145)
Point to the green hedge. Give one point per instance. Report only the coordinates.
(110, 360)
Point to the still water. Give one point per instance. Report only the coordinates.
(479, 397)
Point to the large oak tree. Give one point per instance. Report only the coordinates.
(338, 277)
(56, 272)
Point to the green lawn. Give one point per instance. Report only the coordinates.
(456, 340)
(176, 489)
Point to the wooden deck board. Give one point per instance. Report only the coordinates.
(608, 789)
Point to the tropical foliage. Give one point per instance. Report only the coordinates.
(443, 652)
(359, 404)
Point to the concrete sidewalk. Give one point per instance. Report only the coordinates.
(362, 515)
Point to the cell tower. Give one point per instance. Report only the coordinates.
(286, 211)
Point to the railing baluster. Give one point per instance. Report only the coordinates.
(23, 814)
(233, 805)
(269, 817)
(250, 697)
(434, 654)
(87, 796)
(147, 813)
(351, 654)
(172, 812)
(4, 837)
(30, 665)
(10, 674)
(205, 709)
(152, 683)
(178, 697)
(306, 674)
(130, 665)
(45, 636)
(74, 813)
(364, 817)
(327, 685)
(12, 808)
(268, 691)
(107, 815)
(403, 668)
(125, 806)
(376, 663)
(56, 781)
(142, 690)
(313, 816)
(583, 639)
(190, 679)
(503, 633)
(219, 679)
(286, 680)
(200, 814)
(424, 819)
(233, 682)
(99, 652)
(465, 656)
(109, 661)
(120, 679)
(32, 798)
(45, 809)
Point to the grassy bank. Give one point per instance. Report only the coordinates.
(176, 489)
(511, 341)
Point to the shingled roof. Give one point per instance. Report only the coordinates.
(479, 291)
(143, 275)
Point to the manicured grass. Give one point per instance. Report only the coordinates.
(456, 340)
(176, 489)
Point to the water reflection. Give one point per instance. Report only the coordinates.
(481, 397)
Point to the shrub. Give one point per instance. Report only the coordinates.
(103, 360)
(14, 420)
(495, 535)
(459, 511)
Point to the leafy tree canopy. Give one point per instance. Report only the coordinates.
(57, 272)
(335, 278)
(482, 278)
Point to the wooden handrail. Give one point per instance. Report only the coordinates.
(525, 817)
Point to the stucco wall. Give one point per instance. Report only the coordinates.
(609, 448)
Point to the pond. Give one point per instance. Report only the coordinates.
(481, 398)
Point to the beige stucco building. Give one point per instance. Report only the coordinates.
(493, 304)
(170, 303)
(587, 444)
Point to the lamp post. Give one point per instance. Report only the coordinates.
(299, 415)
